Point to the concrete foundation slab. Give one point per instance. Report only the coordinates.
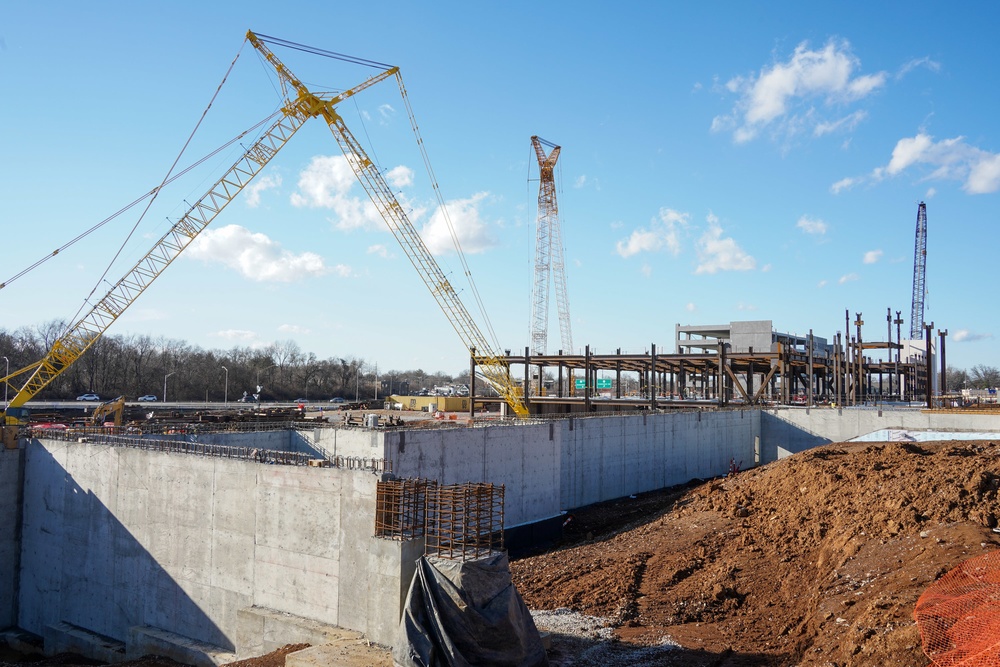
(348, 652)
(146, 640)
(68, 638)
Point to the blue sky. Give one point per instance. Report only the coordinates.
(720, 161)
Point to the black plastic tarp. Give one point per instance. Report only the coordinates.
(466, 613)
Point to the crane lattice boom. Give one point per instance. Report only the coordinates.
(491, 365)
(549, 256)
(300, 106)
(919, 275)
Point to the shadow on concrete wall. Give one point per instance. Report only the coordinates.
(778, 436)
(81, 565)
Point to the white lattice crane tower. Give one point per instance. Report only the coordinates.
(549, 255)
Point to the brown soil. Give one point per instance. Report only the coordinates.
(817, 559)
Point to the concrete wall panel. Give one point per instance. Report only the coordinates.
(116, 538)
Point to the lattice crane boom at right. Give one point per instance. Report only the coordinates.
(919, 275)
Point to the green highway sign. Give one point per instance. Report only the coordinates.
(580, 383)
(604, 383)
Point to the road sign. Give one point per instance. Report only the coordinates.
(580, 383)
(604, 383)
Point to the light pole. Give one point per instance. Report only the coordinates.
(226, 395)
(5, 374)
(165, 385)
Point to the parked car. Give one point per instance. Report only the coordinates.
(88, 397)
(147, 397)
(337, 399)
(301, 400)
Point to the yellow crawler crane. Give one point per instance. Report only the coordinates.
(301, 105)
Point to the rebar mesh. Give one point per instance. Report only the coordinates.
(464, 521)
(400, 508)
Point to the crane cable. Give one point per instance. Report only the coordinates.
(447, 218)
(155, 192)
(139, 199)
(423, 153)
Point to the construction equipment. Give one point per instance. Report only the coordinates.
(549, 259)
(919, 275)
(490, 364)
(115, 408)
(300, 105)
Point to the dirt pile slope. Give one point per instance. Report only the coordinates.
(817, 559)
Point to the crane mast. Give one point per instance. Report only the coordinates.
(549, 256)
(919, 275)
(493, 367)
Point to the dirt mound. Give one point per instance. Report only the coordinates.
(817, 559)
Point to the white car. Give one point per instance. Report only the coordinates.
(88, 397)
(147, 397)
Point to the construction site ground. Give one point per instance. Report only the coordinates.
(817, 559)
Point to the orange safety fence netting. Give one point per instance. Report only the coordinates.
(959, 615)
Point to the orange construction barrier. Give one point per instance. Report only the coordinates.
(959, 615)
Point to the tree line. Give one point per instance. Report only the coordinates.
(979, 376)
(137, 365)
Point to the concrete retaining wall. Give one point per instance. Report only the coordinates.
(785, 431)
(524, 458)
(611, 457)
(11, 461)
(117, 538)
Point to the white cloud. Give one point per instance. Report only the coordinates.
(293, 329)
(951, 159)
(783, 95)
(930, 193)
(690, 307)
(872, 256)
(663, 233)
(254, 255)
(821, 284)
(844, 184)
(380, 250)
(472, 232)
(849, 277)
(966, 336)
(238, 335)
(343, 270)
(846, 123)
(811, 225)
(745, 306)
(263, 183)
(716, 253)
(932, 65)
(580, 181)
(984, 175)
(386, 112)
(400, 177)
(766, 268)
(646, 270)
(325, 183)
